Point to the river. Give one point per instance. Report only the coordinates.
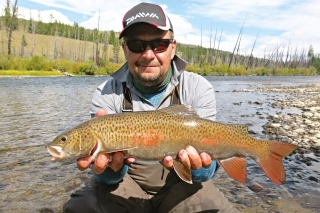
(35, 110)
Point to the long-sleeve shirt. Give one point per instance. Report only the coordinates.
(194, 90)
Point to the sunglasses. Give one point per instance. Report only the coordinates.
(157, 45)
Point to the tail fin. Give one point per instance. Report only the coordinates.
(271, 164)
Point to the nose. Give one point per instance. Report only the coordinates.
(148, 53)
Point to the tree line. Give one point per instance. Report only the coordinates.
(102, 47)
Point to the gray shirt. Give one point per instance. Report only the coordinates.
(194, 90)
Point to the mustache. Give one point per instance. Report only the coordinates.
(147, 64)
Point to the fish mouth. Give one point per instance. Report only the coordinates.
(55, 151)
(58, 154)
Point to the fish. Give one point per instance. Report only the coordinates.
(151, 135)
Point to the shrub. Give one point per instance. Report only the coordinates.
(36, 63)
(84, 68)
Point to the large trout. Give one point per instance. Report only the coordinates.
(151, 135)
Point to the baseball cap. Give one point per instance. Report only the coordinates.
(148, 13)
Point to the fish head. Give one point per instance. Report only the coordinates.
(76, 143)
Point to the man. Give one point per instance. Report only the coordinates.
(152, 78)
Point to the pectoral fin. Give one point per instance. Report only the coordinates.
(110, 150)
(182, 171)
(236, 168)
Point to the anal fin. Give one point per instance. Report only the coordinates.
(236, 168)
(182, 171)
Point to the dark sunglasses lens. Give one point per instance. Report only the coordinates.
(138, 46)
(135, 46)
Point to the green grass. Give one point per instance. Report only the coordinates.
(10, 73)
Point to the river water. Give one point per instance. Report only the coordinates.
(35, 110)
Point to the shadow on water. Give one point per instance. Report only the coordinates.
(35, 110)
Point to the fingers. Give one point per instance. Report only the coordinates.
(117, 161)
(101, 163)
(194, 158)
(101, 112)
(167, 162)
(190, 158)
(84, 163)
(184, 158)
(130, 160)
(205, 159)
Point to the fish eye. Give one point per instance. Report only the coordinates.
(63, 138)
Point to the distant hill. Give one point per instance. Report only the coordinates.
(61, 41)
(53, 47)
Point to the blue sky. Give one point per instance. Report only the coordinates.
(279, 22)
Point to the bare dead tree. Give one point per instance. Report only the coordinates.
(79, 43)
(272, 56)
(200, 52)
(14, 11)
(254, 44)
(84, 45)
(93, 54)
(33, 31)
(235, 46)
(55, 50)
(105, 48)
(214, 45)
(238, 48)
(295, 58)
(97, 43)
(302, 61)
(217, 52)
(2, 40)
(287, 55)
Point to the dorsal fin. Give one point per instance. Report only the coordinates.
(177, 109)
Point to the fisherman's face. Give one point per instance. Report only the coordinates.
(149, 67)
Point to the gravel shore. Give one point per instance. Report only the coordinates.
(302, 129)
(295, 118)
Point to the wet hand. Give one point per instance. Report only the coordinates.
(190, 158)
(113, 160)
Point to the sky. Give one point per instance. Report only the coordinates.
(277, 24)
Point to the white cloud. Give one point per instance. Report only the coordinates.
(44, 15)
(111, 15)
(84, 6)
(295, 21)
(279, 21)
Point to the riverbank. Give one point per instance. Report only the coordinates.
(25, 73)
(302, 129)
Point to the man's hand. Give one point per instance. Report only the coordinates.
(113, 160)
(190, 158)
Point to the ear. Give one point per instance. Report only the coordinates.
(174, 45)
(124, 48)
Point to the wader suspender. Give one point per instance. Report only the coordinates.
(127, 101)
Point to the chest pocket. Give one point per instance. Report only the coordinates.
(127, 100)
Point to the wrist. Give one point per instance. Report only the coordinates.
(110, 177)
(203, 174)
